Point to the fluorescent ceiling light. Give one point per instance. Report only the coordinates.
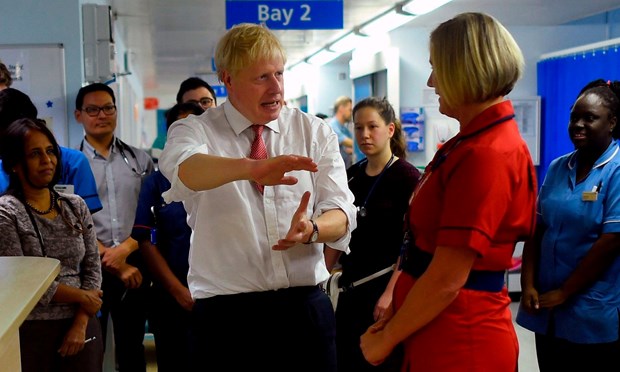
(372, 46)
(418, 7)
(386, 23)
(349, 42)
(322, 57)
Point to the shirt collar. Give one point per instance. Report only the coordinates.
(88, 149)
(609, 154)
(488, 117)
(239, 123)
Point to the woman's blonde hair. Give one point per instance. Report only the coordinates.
(245, 44)
(474, 59)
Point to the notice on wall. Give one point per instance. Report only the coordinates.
(412, 120)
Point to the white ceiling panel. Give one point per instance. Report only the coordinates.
(170, 40)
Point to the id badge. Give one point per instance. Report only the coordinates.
(589, 196)
(67, 189)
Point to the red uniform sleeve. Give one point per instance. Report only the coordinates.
(477, 195)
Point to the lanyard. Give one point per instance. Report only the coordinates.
(440, 158)
(361, 211)
(443, 153)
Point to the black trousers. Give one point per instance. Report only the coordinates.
(556, 354)
(354, 315)
(290, 329)
(170, 324)
(41, 339)
(128, 312)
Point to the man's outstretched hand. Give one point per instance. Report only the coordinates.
(272, 171)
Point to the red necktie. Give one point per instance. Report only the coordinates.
(258, 151)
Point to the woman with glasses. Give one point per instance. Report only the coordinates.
(61, 333)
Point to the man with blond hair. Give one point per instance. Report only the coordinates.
(259, 217)
(343, 108)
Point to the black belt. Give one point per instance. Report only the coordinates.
(416, 262)
(283, 293)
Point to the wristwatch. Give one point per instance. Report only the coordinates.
(315, 233)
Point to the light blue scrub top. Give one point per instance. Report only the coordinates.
(572, 227)
(343, 133)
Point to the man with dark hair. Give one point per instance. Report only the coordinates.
(15, 104)
(197, 91)
(76, 176)
(119, 170)
(192, 90)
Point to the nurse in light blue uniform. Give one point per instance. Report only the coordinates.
(571, 271)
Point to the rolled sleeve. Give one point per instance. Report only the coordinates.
(185, 139)
(333, 191)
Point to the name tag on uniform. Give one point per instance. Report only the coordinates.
(589, 196)
(67, 189)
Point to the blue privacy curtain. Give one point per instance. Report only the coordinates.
(559, 81)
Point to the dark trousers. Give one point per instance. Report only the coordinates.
(170, 324)
(128, 312)
(287, 330)
(354, 315)
(555, 354)
(41, 339)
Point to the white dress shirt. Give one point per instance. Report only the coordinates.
(234, 226)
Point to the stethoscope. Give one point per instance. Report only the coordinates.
(121, 146)
(361, 210)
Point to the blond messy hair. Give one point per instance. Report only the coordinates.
(244, 44)
(341, 101)
(474, 59)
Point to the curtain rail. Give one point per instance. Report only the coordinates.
(582, 49)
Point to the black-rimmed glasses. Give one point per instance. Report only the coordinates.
(94, 110)
(204, 101)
